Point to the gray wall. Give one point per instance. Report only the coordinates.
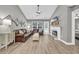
(64, 14)
(12, 10)
(69, 25)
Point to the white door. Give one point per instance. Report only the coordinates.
(46, 27)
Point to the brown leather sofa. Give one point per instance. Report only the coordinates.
(22, 37)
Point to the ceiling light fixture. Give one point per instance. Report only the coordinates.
(38, 11)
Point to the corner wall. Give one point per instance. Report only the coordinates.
(64, 13)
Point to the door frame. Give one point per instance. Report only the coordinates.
(48, 27)
(73, 27)
(73, 24)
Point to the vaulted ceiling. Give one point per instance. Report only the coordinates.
(46, 11)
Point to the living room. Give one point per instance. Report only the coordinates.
(38, 28)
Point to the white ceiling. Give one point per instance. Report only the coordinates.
(30, 11)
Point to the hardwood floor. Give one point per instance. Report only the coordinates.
(45, 45)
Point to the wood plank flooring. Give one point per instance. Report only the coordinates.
(45, 45)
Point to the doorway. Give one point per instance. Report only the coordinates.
(46, 27)
(75, 27)
(77, 31)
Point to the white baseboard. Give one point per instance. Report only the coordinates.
(67, 42)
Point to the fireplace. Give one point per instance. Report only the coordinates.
(54, 32)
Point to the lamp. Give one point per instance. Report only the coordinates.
(6, 22)
(28, 26)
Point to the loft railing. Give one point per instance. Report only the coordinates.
(10, 17)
